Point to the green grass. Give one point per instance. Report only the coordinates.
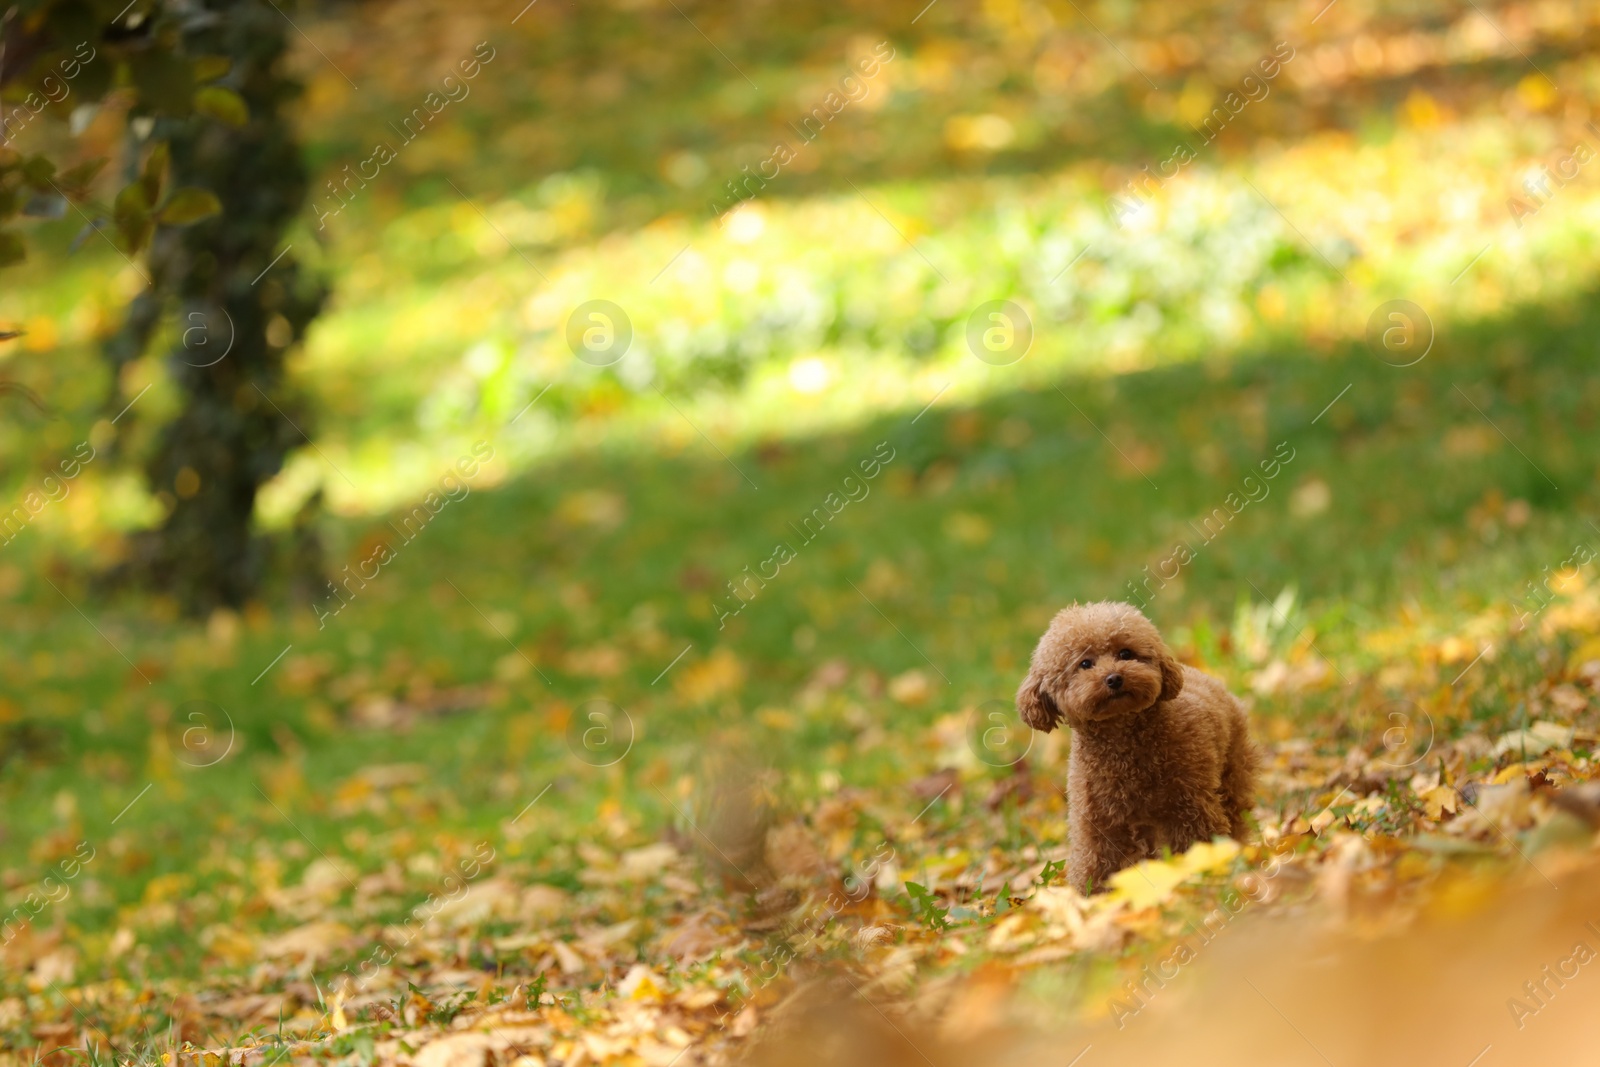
(986, 519)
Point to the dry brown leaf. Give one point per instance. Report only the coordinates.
(311, 941)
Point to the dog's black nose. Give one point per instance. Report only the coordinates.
(1113, 681)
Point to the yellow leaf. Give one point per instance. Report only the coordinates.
(1540, 738)
(1535, 92)
(978, 133)
(210, 68)
(600, 508)
(717, 675)
(189, 205)
(1144, 885)
(1438, 800)
(570, 961)
(337, 1016)
(230, 944)
(1210, 856)
(312, 941)
(641, 984)
(1422, 110)
(1514, 773)
(1588, 652)
(777, 718)
(966, 528)
(912, 687)
(224, 105)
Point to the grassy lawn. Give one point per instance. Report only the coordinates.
(441, 700)
(715, 632)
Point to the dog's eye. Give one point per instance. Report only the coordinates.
(1125, 654)
(1086, 664)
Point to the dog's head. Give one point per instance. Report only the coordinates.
(1097, 662)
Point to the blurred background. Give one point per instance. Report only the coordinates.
(625, 435)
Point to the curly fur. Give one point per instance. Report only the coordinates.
(1161, 754)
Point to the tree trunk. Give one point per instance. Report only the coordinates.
(238, 314)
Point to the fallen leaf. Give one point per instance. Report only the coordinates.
(640, 983)
(311, 941)
(456, 1050)
(1148, 883)
(1536, 740)
(1439, 800)
(910, 688)
(1206, 856)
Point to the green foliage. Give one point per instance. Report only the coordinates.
(223, 104)
(925, 907)
(131, 214)
(1052, 870)
(80, 50)
(188, 205)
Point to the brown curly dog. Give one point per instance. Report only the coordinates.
(1161, 756)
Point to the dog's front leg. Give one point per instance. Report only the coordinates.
(1200, 820)
(1097, 852)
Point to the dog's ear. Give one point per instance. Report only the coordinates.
(1171, 675)
(1035, 705)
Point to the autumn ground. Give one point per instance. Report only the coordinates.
(547, 789)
